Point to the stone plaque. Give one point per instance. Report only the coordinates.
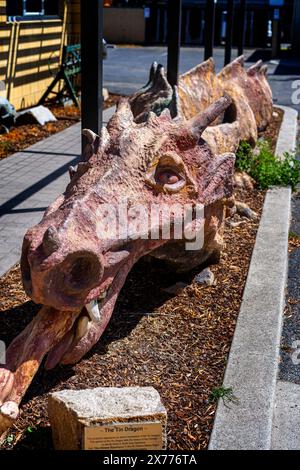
(124, 436)
(108, 418)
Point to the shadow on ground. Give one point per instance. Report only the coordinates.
(142, 293)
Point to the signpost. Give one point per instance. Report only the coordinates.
(242, 17)
(124, 436)
(91, 64)
(276, 3)
(210, 12)
(276, 27)
(229, 30)
(174, 40)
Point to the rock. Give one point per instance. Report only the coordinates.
(8, 114)
(230, 212)
(245, 211)
(205, 277)
(37, 115)
(243, 181)
(108, 415)
(3, 129)
(233, 224)
(176, 288)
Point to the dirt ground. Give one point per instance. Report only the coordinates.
(22, 137)
(271, 133)
(178, 344)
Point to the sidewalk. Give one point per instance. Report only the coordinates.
(30, 181)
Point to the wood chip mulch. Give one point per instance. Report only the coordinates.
(272, 131)
(294, 241)
(22, 137)
(177, 344)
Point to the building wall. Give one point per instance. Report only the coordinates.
(28, 49)
(120, 25)
(124, 25)
(74, 21)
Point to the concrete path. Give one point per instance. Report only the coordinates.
(30, 180)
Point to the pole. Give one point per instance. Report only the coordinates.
(91, 64)
(229, 29)
(174, 40)
(296, 30)
(210, 12)
(242, 18)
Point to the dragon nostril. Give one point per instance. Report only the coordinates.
(50, 241)
(83, 271)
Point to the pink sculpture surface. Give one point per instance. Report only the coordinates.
(162, 147)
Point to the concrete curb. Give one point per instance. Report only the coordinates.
(287, 137)
(253, 361)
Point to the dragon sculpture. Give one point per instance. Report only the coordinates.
(162, 146)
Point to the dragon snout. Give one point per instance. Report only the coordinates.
(50, 241)
(52, 269)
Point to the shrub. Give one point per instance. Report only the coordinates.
(267, 169)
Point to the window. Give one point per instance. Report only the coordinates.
(32, 8)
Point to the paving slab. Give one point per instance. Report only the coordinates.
(30, 181)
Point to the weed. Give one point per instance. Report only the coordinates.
(7, 146)
(10, 438)
(226, 394)
(267, 169)
(293, 234)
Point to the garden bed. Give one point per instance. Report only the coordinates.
(271, 133)
(177, 344)
(22, 137)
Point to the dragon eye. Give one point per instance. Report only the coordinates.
(166, 176)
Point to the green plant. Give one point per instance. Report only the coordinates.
(267, 169)
(10, 438)
(7, 146)
(293, 234)
(244, 157)
(30, 429)
(226, 394)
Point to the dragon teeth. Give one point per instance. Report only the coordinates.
(93, 308)
(82, 327)
(93, 311)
